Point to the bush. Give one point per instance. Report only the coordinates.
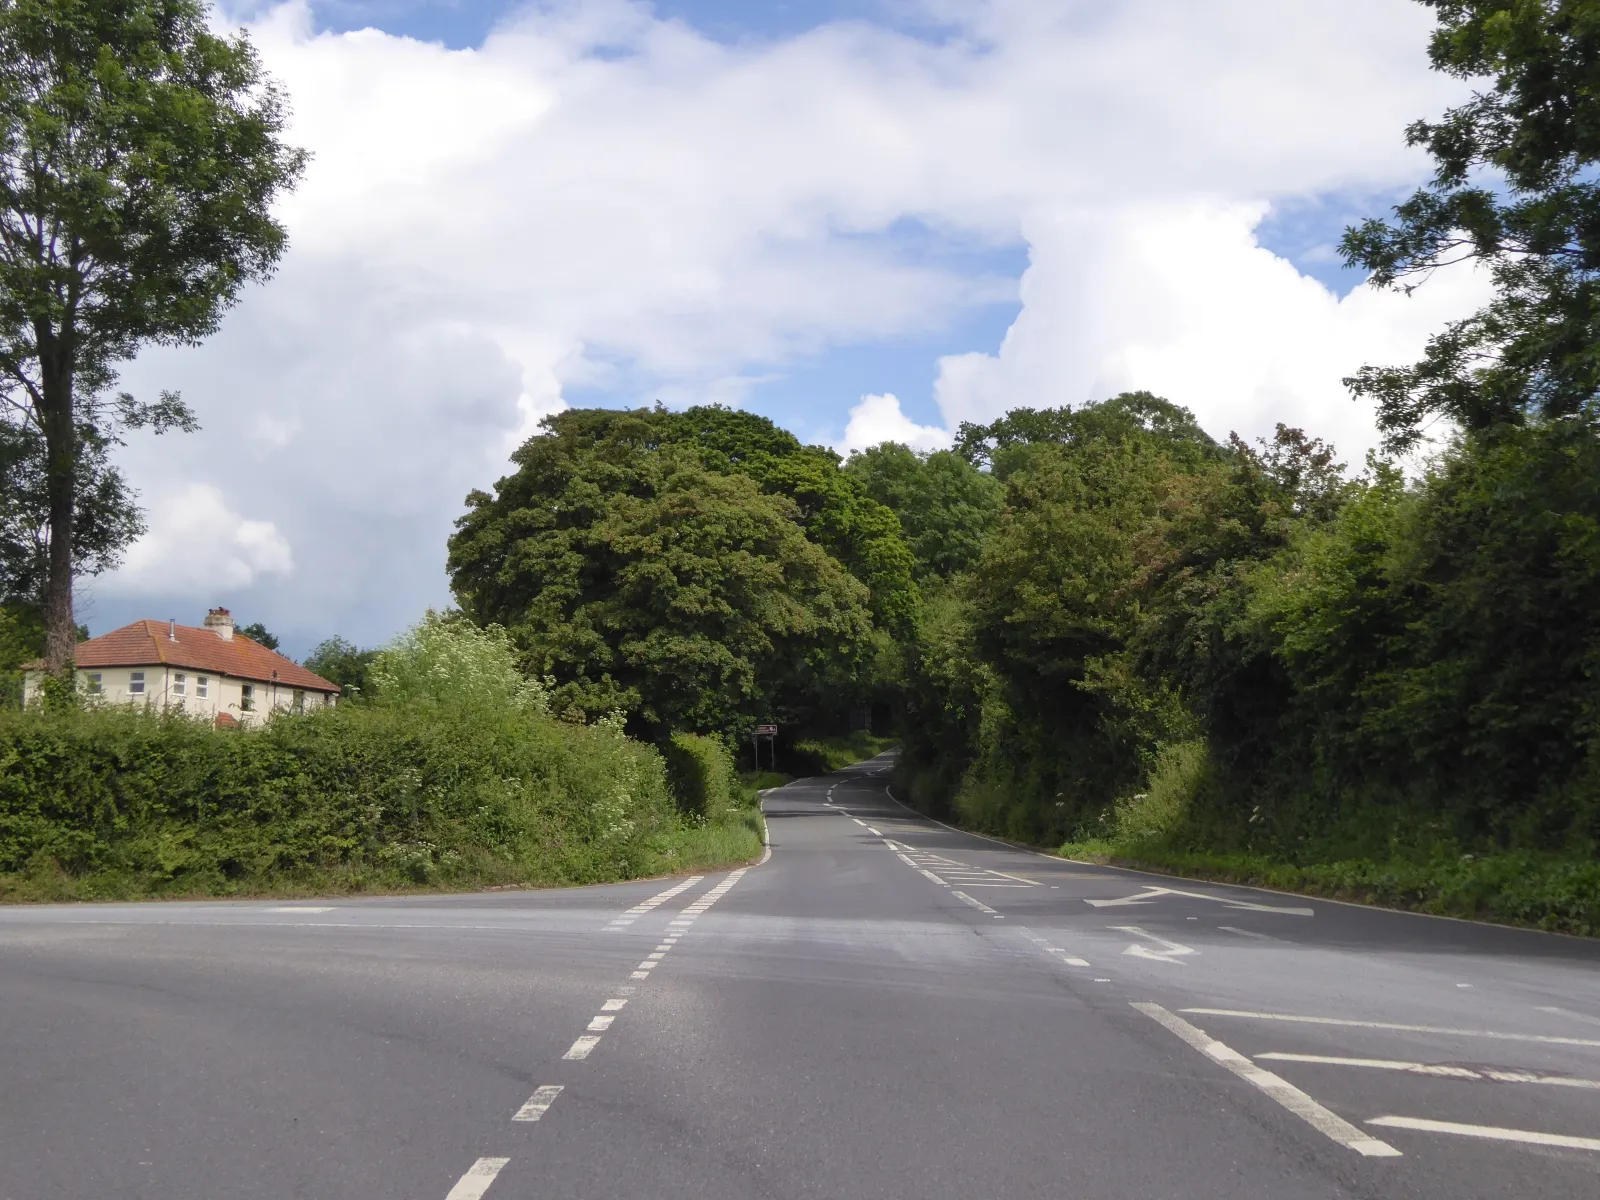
(700, 773)
(122, 802)
(818, 756)
(1154, 815)
(445, 661)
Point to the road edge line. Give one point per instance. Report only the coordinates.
(1324, 1120)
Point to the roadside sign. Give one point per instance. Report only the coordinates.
(766, 730)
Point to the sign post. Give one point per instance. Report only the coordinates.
(770, 732)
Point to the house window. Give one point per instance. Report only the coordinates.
(202, 686)
(135, 683)
(247, 698)
(95, 687)
(180, 684)
(299, 700)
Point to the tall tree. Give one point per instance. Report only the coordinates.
(1515, 188)
(139, 158)
(947, 507)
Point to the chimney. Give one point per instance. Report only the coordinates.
(172, 629)
(220, 622)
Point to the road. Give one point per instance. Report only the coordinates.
(884, 1008)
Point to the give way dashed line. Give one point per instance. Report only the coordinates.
(482, 1173)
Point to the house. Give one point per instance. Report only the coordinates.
(209, 672)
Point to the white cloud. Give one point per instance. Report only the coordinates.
(879, 419)
(596, 195)
(198, 544)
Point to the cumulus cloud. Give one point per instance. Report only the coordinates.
(879, 419)
(199, 545)
(597, 199)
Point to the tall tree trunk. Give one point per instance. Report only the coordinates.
(61, 459)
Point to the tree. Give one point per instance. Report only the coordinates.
(139, 158)
(947, 507)
(1515, 189)
(107, 518)
(257, 632)
(640, 580)
(339, 661)
(1008, 443)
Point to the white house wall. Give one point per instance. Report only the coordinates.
(224, 693)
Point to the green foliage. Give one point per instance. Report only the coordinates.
(257, 632)
(818, 756)
(1515, 189)
(1152, 817)
(946, 506)
(21, 641)
(641, 580)
(148, 147)
(340, 661)
(700, 771)
(444, 663)
(120, 802)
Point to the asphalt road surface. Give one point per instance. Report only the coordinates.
(884, 1008)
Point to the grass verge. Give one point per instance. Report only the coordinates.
(1541, 891)
(818, 756)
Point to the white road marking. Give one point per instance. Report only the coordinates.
(476, 1181)
(1151, 894)
(1441, 1070)
(1075, 962)
(579, 1050)
(653, 958)
(859, 821)
(600, 1024)
(1323, 1120)
(873, 831)
(977, 904)
(640, 975)
(613, 1006)
(1563, 1012)
(934, 877)
(1171, 952)
(1544, 1039)
(649, 963)
(293, 908)
(1528, 1136)
(538, 1103)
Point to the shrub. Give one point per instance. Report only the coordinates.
(1154, 815)
(700, 772)
(126, 802)
(445, 661)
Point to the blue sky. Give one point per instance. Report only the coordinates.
(858, 221)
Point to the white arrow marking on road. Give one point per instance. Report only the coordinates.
(1171, 954)
(1150, 894)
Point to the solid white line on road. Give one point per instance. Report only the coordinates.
(1527, 1136)
(579, 1049)
(1324, 1121)
(600, 1024)
(1446, 1031)
(1564, 1012)
(476, 1181)
(1442, 1070)
(538, 1103)
(292, 908)
(613, 1006)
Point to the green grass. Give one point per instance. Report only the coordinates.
(1543, 891)
(726, 843)
(818, 756)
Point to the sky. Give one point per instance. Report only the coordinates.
(867, 221)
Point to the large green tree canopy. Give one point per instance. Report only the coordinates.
(1515, 189)
(649, 570)
(946, 506)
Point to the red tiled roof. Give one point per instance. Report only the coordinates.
(146, 644)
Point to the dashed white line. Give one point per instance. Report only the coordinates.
(1494, 1133)
(579, 1049)
(600, 1024)
(1323, 1120)
(539, 1103)
(476, 1181)
(613, 1005)
(1564, 1012)
(1543, 1039)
